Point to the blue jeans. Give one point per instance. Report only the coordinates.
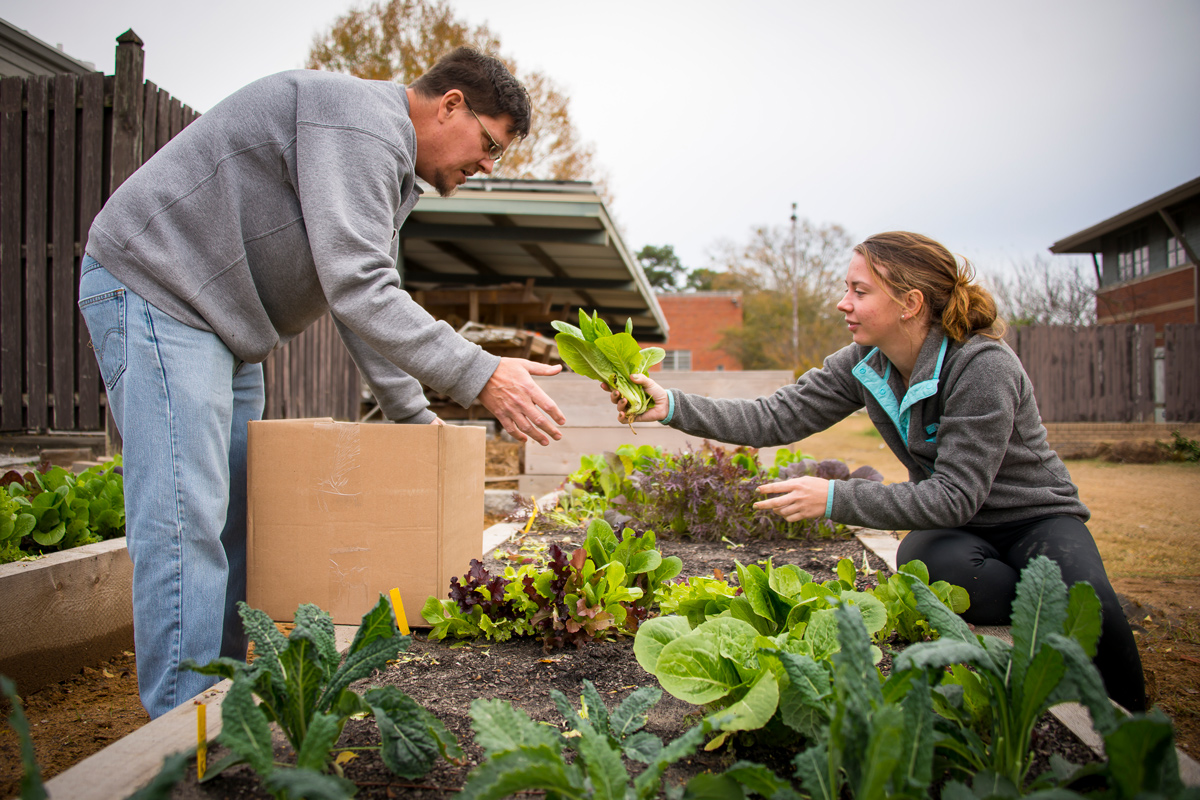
(181, 401)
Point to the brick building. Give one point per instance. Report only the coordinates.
(1145, 260)
(697, 320)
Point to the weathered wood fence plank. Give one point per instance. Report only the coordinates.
(36, 145)
(1181, 345)
(91, 196)
(12, 342)
(62, 264)
(1106, 373)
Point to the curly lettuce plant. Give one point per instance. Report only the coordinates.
(710, 494)
(605, 587)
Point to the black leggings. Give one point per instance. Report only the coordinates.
(987, 560)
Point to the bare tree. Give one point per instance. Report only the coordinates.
(791, 279)
(1045, 291)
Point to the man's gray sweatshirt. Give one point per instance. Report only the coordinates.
(967, 428)
(281, 203)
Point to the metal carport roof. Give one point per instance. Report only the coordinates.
(556, 232)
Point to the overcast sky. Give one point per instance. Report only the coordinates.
(997, 127)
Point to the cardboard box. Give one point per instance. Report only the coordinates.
(339, 512)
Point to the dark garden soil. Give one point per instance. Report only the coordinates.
(446, 677)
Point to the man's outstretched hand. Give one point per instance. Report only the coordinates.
(519, 404)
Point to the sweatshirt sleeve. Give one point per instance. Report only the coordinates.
(819, 399)
(351, 190)
(399, 394)
(973, 437)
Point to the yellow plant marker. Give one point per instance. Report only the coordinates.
(532, 516)
(398, 607)
(201, 740)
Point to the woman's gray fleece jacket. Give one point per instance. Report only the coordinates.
(281, 203)
(967, 428)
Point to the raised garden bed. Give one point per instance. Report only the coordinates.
(65, 611)
(446, 677)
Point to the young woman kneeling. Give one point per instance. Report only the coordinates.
(985, 494)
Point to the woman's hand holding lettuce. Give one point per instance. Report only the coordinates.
(594, 351)
(658, 400)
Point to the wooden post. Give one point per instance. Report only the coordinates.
(128, 99)
(149, 121)
(128, 96)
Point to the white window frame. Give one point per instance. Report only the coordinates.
(677, 361)
(1133, 255)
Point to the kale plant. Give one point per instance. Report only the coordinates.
(522, 755)
(302, 684)
(1054, 636)
(31, 773)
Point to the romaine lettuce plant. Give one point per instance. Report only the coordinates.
(302, 685)
(53, 509)
(738, 652)
(782, 599)
(594, 351)
(896, 594)
(728, 666)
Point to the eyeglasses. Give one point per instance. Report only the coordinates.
(496, 151)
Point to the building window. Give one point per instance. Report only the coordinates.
(677, 360)
(1133, 255)
(1176, 256)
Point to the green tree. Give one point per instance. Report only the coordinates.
(399, 40)
(666, 273)
(791, 279)
(662, 266)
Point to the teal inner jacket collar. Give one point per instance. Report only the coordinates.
(899, 411)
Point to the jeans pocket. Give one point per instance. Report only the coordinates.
(105, 318)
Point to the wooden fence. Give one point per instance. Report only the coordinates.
(66, 143)
(1107, 373)
(312, 376)
(1181, 373)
